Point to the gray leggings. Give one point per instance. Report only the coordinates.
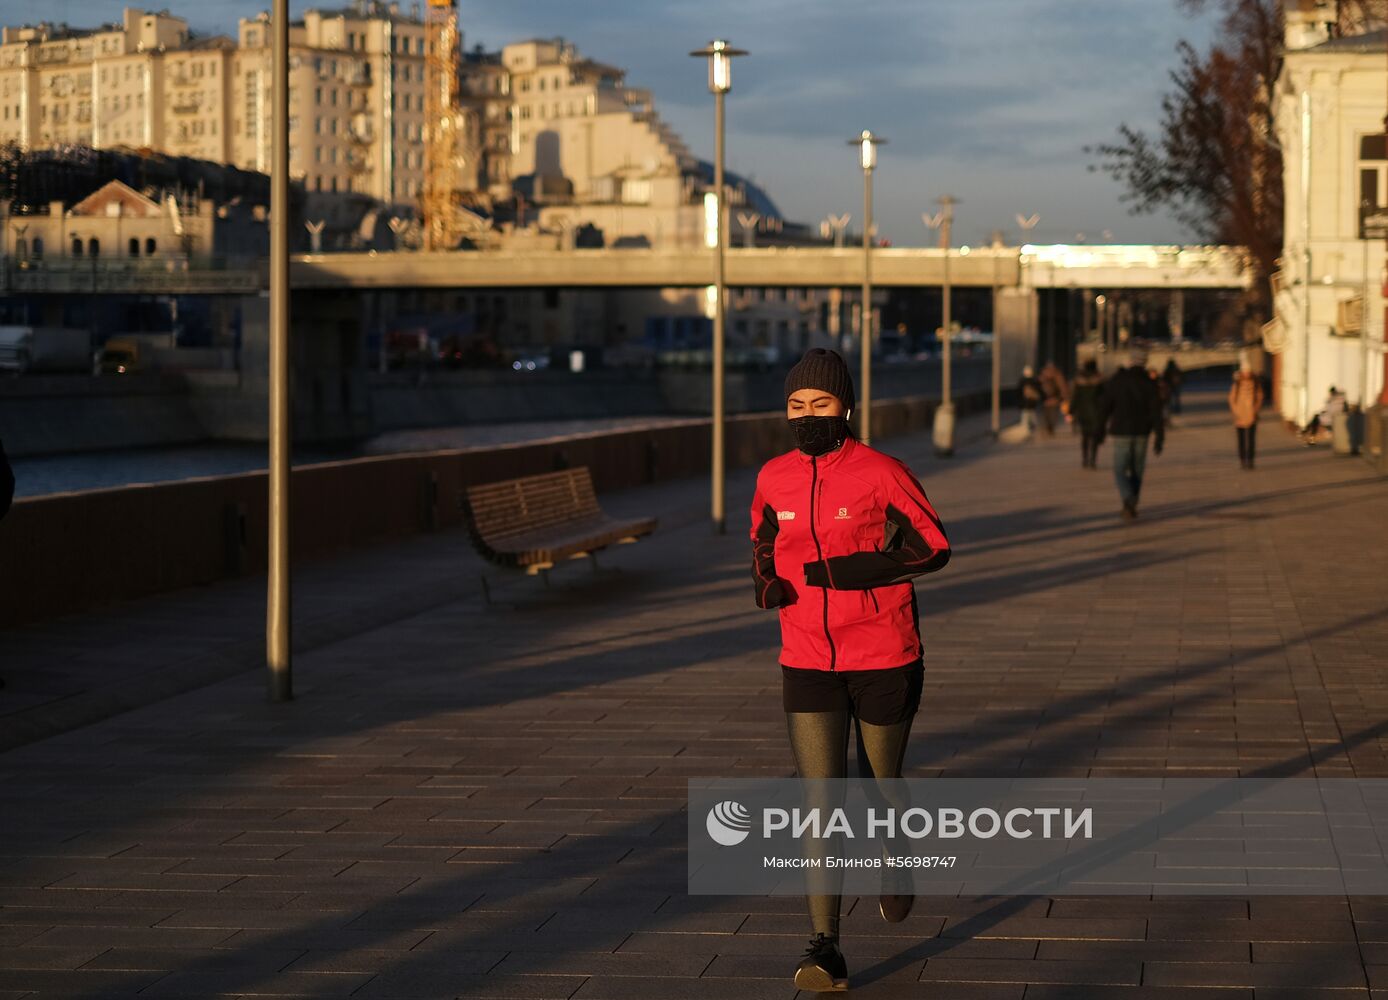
(819, 741)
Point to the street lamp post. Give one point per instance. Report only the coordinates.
(836, 224)
(995, 362)
(277, 620)
(720, 80)
(1028, 223)
(944, 413)
(867, 144)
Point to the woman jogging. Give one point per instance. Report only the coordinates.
(839, 531)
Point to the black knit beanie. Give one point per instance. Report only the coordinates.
(822, 369)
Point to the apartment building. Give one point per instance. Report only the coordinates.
(356, 93)
(485, 94)
(356, 97)
(97, 87)
(196, 98)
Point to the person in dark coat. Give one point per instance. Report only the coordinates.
(1173, 377)
(1130, 411)
(1054, 392)
(1084, 407)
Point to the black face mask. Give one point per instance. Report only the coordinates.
(817, 435)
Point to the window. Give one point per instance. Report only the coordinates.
(133, 248)
(150, 246)
(38, 247)
(76, 246)
(317, 95)
(1373, 173)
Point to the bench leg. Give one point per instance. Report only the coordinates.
(486, 590)
(593, 562)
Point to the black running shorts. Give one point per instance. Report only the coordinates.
(877, 697)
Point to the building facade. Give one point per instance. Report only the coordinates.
(356, 97)
(1329, 324)
(356, 94)
(99, 87)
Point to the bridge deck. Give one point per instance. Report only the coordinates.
(756, 267)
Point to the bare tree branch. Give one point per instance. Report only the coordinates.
(1215, 163)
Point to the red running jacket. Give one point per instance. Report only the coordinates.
(836, 541)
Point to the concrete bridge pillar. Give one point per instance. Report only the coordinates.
(1176, 314)
(1015, 328)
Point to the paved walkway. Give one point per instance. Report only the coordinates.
(487, 802)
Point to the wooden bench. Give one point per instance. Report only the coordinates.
(535, 522)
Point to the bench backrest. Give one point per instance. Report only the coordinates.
(520, 506)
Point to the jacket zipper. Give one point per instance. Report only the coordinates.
(814, 490)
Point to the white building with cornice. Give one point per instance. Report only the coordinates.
(1328, 327)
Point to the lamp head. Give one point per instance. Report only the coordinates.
(720, 64)
(867, 144)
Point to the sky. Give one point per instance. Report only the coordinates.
(991, 101)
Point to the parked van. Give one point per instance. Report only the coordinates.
(44, 349)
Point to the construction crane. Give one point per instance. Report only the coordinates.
(439, 197)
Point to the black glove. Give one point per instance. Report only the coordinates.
(1156, 448)
(777, 594)
(816, 574)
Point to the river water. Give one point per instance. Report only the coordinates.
(97, 470)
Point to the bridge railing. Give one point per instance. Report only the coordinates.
(117, 275)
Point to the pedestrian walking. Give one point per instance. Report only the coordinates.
(1029, 397)
(1084, 407)
(839, 531)
(1245, 400)
(1054, 391)
(1130, 411)
(1173, 377)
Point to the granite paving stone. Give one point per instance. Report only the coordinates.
(467, 800)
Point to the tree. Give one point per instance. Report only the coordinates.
(1215, 162)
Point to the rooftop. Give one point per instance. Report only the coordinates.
(1373, 41)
